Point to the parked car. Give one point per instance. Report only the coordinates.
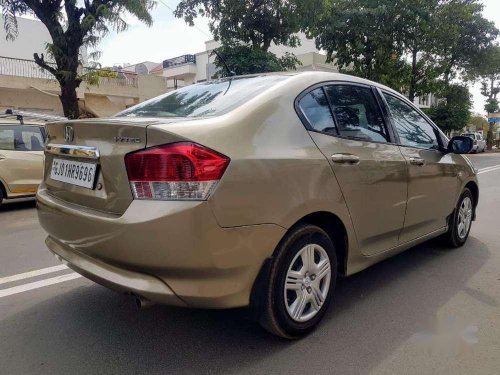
(479, 142)
(253, 191)
(21, 158)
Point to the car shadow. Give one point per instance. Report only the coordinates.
(7, 205)
(89, 329)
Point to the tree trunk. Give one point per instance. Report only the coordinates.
(69, 99)
(413, 81)
(489, 137)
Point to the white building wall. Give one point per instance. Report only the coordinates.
(32, 38)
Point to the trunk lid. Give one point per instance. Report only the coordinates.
(108, 140)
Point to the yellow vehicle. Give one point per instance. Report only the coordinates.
(253, 191)
(21, 153)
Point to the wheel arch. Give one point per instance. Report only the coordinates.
(3, 189)
(474, 189)
(335, 229)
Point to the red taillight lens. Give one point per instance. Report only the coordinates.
(176, 171)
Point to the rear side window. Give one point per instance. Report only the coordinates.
(357, 113)
(315, 108)
(21, 138)
(412, 128)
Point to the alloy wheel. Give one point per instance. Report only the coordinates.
(464, 217)
(307, 283)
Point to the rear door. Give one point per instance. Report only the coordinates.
(433, 181)
(346, 123)
(21, 158)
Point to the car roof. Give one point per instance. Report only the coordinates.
(320, 76)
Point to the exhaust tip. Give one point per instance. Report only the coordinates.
(143, 303)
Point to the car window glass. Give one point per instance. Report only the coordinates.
(30, 139)
(212, 98)
(412, 128)
(357, 113)
(315, 108)
(6, 138)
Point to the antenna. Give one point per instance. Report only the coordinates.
(230, 73)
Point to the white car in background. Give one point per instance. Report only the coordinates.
(479, 142)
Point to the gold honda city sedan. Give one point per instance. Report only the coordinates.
(252, 191)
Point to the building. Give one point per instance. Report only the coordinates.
(199, 67)
(24, 85)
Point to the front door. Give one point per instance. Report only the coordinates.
(432, 182)
(348, 127)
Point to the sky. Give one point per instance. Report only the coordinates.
(170, 37)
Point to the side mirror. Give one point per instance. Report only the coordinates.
(460, 145)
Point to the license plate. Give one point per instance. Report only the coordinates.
(73, 172)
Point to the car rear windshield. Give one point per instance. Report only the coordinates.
(212, 98)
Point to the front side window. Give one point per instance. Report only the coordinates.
(412, 128)
(357, 113)
(315, 108)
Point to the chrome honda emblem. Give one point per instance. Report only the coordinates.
(69, 134)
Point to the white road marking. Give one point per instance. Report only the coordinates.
(489, 169)
(27, 275)
(38, 284)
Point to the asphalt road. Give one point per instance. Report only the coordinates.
(426, 311)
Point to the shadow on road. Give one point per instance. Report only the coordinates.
(92, 330)
(7, 206)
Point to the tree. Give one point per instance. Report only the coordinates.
(247, 28)
(478, 123)
(243, 59)
(72, 25)
(359, 35)
(486, 67)
(414, 46)
(454, 112)
(461, 34)
(257, 23)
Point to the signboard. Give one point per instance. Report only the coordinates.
(494, 117)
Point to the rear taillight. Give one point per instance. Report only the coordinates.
(177, 171)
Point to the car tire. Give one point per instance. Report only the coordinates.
(460, 221)
(298, 293)
(1, 194)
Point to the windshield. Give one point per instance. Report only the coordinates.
(204, 99)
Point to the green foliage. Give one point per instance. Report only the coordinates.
(478, 123)
(253, 22)
(243, 59)
(454, 112)
(71, 25)
(414, 46)
(491, 105)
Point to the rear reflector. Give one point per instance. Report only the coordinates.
(178, 171)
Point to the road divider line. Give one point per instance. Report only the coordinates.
(489, 169)
(38, 284)
(30, 274)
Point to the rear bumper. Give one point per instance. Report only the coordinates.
(168, 252)
(112, 277)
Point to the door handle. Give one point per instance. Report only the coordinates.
(348, 159)
(2, 157)
(417, 161)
